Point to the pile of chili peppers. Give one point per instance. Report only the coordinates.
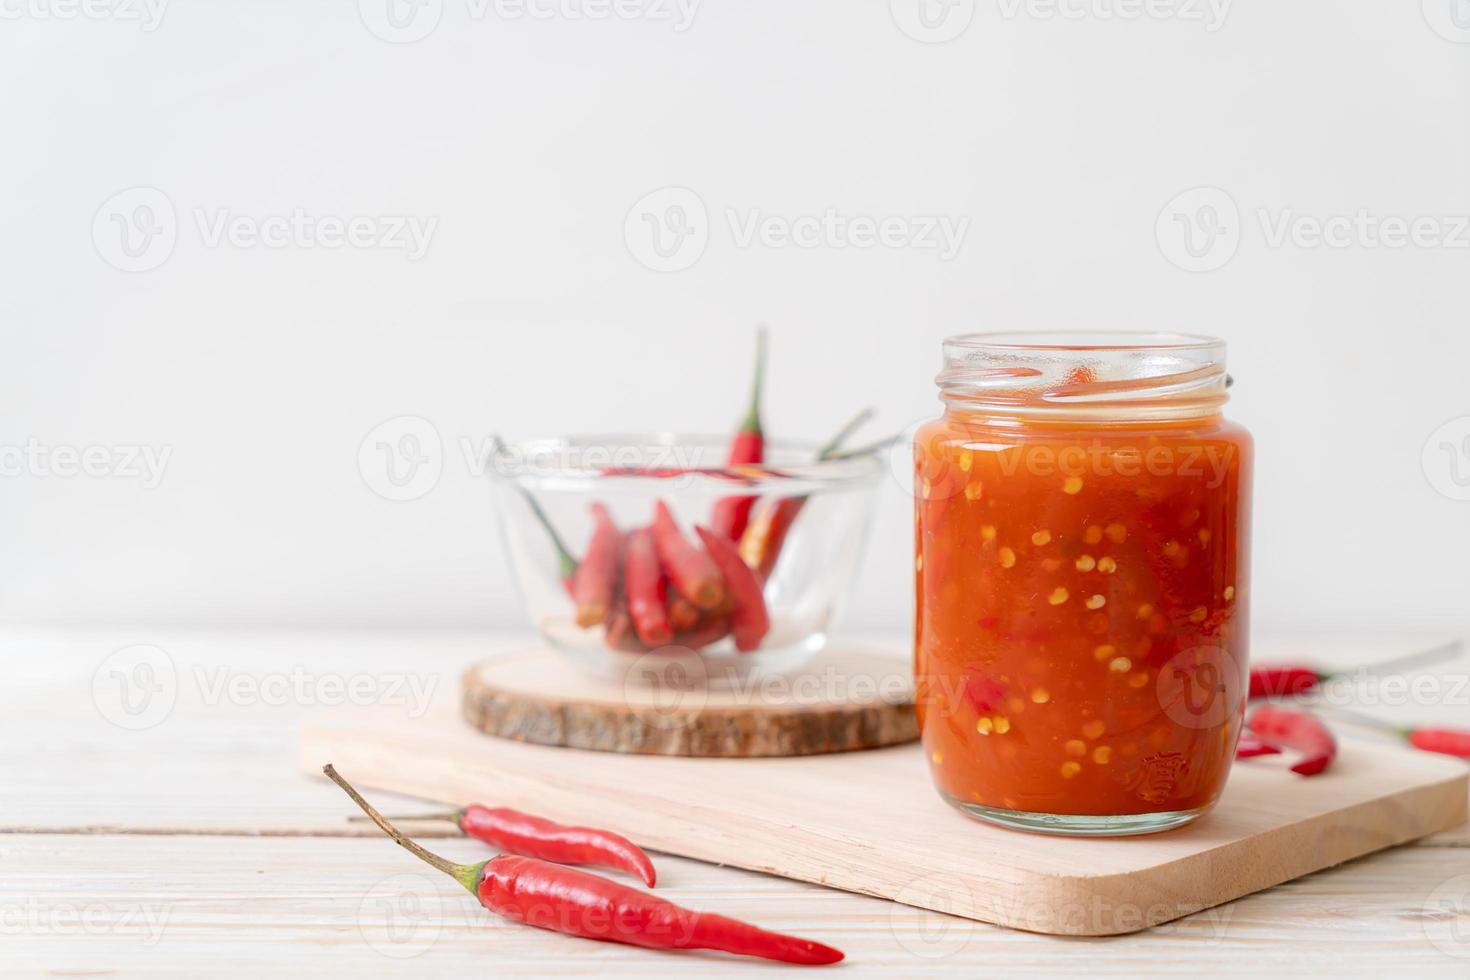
(653, 586)
(1273, 727)
(525, 885)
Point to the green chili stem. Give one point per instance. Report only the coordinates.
(752, 421)
(868, 450)
(452, 815)
(564, 554)
(466, 874)
(835, 443)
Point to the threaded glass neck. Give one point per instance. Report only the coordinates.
(1085, 376)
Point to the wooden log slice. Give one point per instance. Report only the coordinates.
(843, 700)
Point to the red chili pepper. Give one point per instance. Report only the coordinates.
(1280, 682)
(580, 904)
(565, 900)
(1249, 747)
(644, 585)
(761, 543)
(703, 634)
(760, 546)
(1446, 741)
(731, 514)
(533, 836)
(693, 574)
(1297, 730)
(750, 620)
(596, 579)
(683, 614)
(619, 632)
(1287, 680)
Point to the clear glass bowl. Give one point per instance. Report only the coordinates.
(563, 477)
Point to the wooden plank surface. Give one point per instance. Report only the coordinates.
(888, 834)
(251, 907)
(247, 905)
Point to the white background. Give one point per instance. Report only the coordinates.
(1060, 139)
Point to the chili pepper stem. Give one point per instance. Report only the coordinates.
(1364, 721)
(752, 421)
(871, 449)
(1421, 658)
(467, 875)
(565, 559)
(844, 433)
(452, 815)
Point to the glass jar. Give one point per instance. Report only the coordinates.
(1082, 518)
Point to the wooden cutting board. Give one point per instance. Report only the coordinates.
(870, 822)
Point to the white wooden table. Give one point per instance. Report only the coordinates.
(156, 822)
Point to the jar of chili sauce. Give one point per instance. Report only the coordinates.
(1082, 512)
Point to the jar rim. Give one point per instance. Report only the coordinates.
(1085, 375)
(1083, 340)
(593, 461)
